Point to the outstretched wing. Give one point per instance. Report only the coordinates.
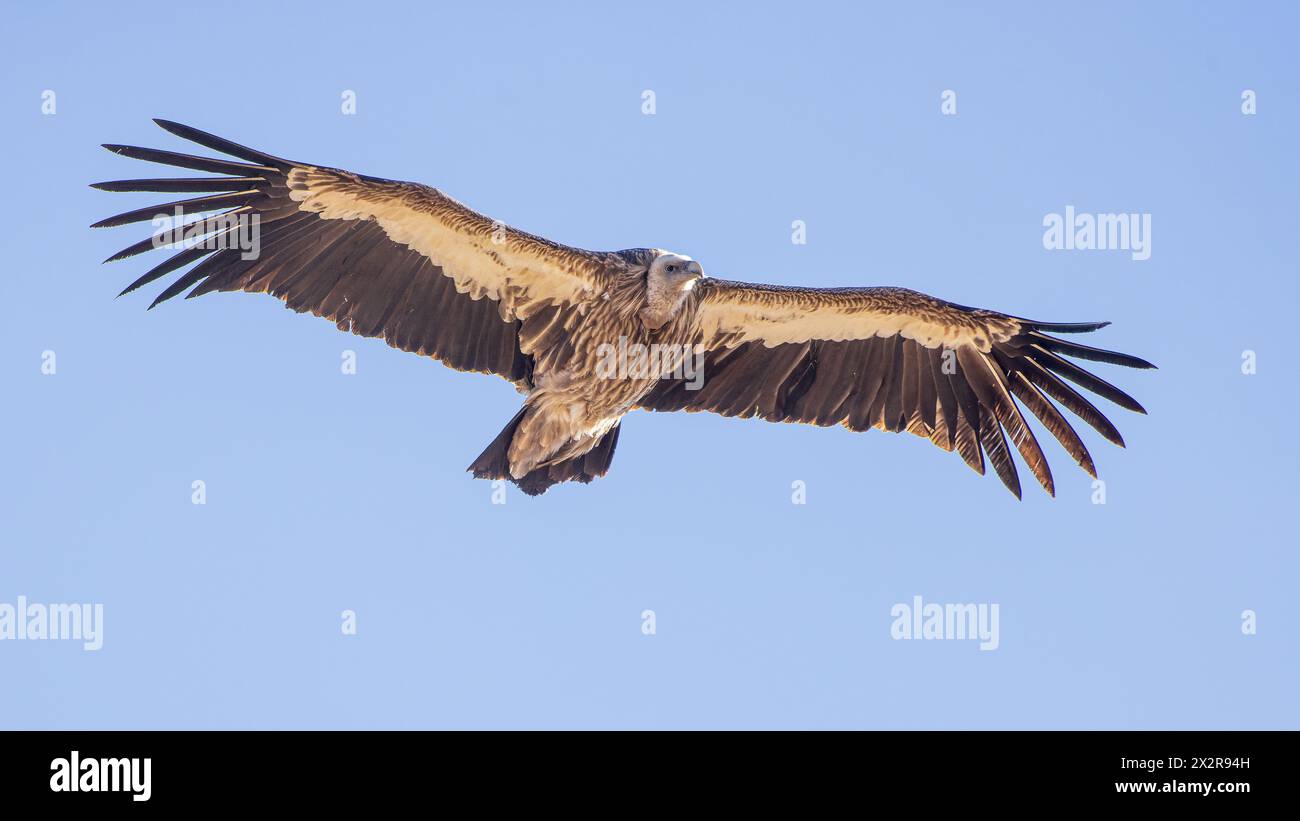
(395, 260)
(897, 360)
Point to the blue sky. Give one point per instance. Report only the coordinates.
(328, 492)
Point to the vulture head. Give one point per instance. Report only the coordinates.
(668, 280)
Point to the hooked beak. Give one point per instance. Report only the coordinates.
(693, 272)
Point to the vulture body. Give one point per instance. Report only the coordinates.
(408, 264)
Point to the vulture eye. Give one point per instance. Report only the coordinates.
(672, 268)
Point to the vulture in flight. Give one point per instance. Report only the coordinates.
(408, 264)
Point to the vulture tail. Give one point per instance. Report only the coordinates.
(494, 461)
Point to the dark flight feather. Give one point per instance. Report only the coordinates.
(184, 208)
(237, 169)
(995, 445)
(1086, 352)
(182, 185)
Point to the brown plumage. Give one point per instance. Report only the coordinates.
(405, 263)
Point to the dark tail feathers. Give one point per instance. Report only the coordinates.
(494, 462)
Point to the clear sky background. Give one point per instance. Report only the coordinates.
(328, 492)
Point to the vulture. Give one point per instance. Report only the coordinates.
(588, 336)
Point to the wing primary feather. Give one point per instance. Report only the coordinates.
(179, 260)
(216, 166)
(196, 205)
(181, 185)
(1083, 378)
(995, 445)
(193, 275)
(1060, 327)
(1088, 352)
(1073, 401)
(223, 145)
(991, 388)
(197, 229)
(960, 385)
(947, 399)
(1052, 419)
(966, 443)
